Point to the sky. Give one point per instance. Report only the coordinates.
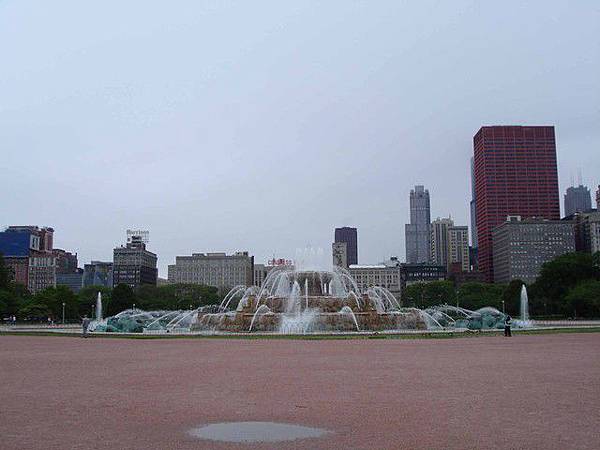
(263, 125)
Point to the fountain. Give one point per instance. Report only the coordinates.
(524, 321)
(99, 307)
(299, 301)
(310, 298)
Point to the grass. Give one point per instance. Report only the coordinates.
(311, 337)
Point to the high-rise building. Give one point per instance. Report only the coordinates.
(66, 262)
(133, 265)
(72, 280)
(515, 175)
(587, 231)
(383, 275)
(214, 269)
(598, 198)
(458, 253)
(473, 207)
(98, 273)
(440, 243)
(417, 232)
(339, 251)
(29, 253)
(350, 237)
(577, 199)
(450, 245)
(521, 247)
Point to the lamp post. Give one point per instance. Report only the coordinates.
(134, 306)
(63, 305)
(503, 307)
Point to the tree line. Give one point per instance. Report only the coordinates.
(568, 286)
(16, 300)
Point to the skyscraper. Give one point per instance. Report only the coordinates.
(450, 245)
(349, 236)
(577, 199)
(515, 175)
(417, 232)
(473, 207)
(598, 198)
(440, 244)
(133, 265)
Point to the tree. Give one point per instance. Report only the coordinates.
(557, 277)
(478, 295)
(122, 298)
(512, 297)
(424, 295)
(87, 297)
(52, 298)
(584, 299)
(6, 275)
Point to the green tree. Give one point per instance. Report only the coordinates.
(557, 277)
(6, 275)
(176, 296)
(478, 295)
(87, 297)
(122, 298)
(512, 297)
(53, 298)
(585, 299)
(424, 295)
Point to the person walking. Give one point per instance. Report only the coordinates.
(85, 323)
(507, 323)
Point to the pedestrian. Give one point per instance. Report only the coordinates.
(85, 323)
(14, 320)
(507, 322)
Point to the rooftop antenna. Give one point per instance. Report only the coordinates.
(579, 176)
(572, 179)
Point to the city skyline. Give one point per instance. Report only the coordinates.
(209, 160)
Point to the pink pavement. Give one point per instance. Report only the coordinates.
(529, 392)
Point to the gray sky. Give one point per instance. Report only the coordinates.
(256, 125)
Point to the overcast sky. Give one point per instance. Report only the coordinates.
(261, 126)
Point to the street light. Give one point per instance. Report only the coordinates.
(134, 306)
(63, 313)
(502, 306)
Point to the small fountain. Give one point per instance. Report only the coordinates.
(524, 321)
(99, 307)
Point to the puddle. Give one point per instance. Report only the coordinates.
(255, 432)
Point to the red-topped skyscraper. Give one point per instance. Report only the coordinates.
(515, 175)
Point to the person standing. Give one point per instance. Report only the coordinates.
(85, 323)
(507, 323)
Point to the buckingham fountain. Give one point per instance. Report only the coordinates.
(301, 301)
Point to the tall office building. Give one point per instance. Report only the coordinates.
(339, 252)
(28, 251)
(349, 236)
(214, 269)
(417, 232)
(458, 253)
(577, 199)
(98, 273)
(450, 245)
(440, 244)
(133, 265)
(515, 175)
(473, 207)
(598, 198)
(521, 247)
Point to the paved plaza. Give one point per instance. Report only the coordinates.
(531, 391)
